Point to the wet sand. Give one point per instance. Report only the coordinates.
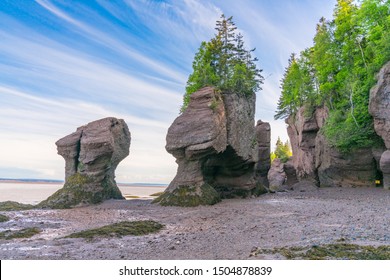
(228, 230)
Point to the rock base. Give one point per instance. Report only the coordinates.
(189, 196)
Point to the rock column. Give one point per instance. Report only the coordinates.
(379, 108)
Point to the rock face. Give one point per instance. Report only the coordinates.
(263, 139)
(335, 169)
(290, 172)
(385, 167)
(213, 143)
(302, 130)
(315, 160)
(276, 176)
(91, 155)
(379, 108)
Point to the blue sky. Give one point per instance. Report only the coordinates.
(66, 63)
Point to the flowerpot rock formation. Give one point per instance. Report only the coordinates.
(91, 155)
(215, 145)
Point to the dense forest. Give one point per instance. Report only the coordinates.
(339, 70)
(225, 63)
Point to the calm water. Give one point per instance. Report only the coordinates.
(34, 193)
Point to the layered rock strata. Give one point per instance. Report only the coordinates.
(276, 176)
(263, 140)
(213, 142)
(379, 108)
(91, 155)
(302, 130)
(316, 160)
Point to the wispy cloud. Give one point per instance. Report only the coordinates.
(112, 43)
(64, 64)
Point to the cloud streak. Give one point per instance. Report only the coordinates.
(65, 64)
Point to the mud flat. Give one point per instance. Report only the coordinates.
(232, 229)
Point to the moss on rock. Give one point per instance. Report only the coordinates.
(189, 196)
(14, 206)
(120, 229)
(337, 251)
(3, 218)
(22, 233)
(80, 190)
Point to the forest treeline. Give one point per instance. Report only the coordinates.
(339, 70)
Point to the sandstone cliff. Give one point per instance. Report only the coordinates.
(316, 160)
(379, 108)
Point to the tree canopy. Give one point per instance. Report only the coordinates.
(225, 63)
(282, 151)
(339, 70)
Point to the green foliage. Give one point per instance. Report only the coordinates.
(3, 218)
(224, 62)
(120, 229)
(22, 233)
(336, 251)
(282, 151)
(80, 189)
(14, 206)
(339, 71)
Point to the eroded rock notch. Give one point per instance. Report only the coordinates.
(215, 146)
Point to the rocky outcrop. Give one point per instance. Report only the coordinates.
(302, 130)
(317, 161)
(212, 142)
(91, 155)
(263, 141)
(357, 169)
(385, 168)
(276, 176)
(379, 108)
(291, 175)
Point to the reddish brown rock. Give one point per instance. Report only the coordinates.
(263, 141)
(212, 142)
(91, 155)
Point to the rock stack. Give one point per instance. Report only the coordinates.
(214, 144)
(91, 155)
(263, 140)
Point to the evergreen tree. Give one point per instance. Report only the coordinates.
(339, 71)
(282, 151)
(224, 62)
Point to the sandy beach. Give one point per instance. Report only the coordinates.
(232, 229)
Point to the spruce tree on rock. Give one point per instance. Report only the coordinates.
(224, 62)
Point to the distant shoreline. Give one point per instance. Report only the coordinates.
(55, 182)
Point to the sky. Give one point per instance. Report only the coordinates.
(66, 63)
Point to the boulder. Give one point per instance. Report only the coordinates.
(91, 155)
(263, 141)
(276, 176)
(212, 141)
